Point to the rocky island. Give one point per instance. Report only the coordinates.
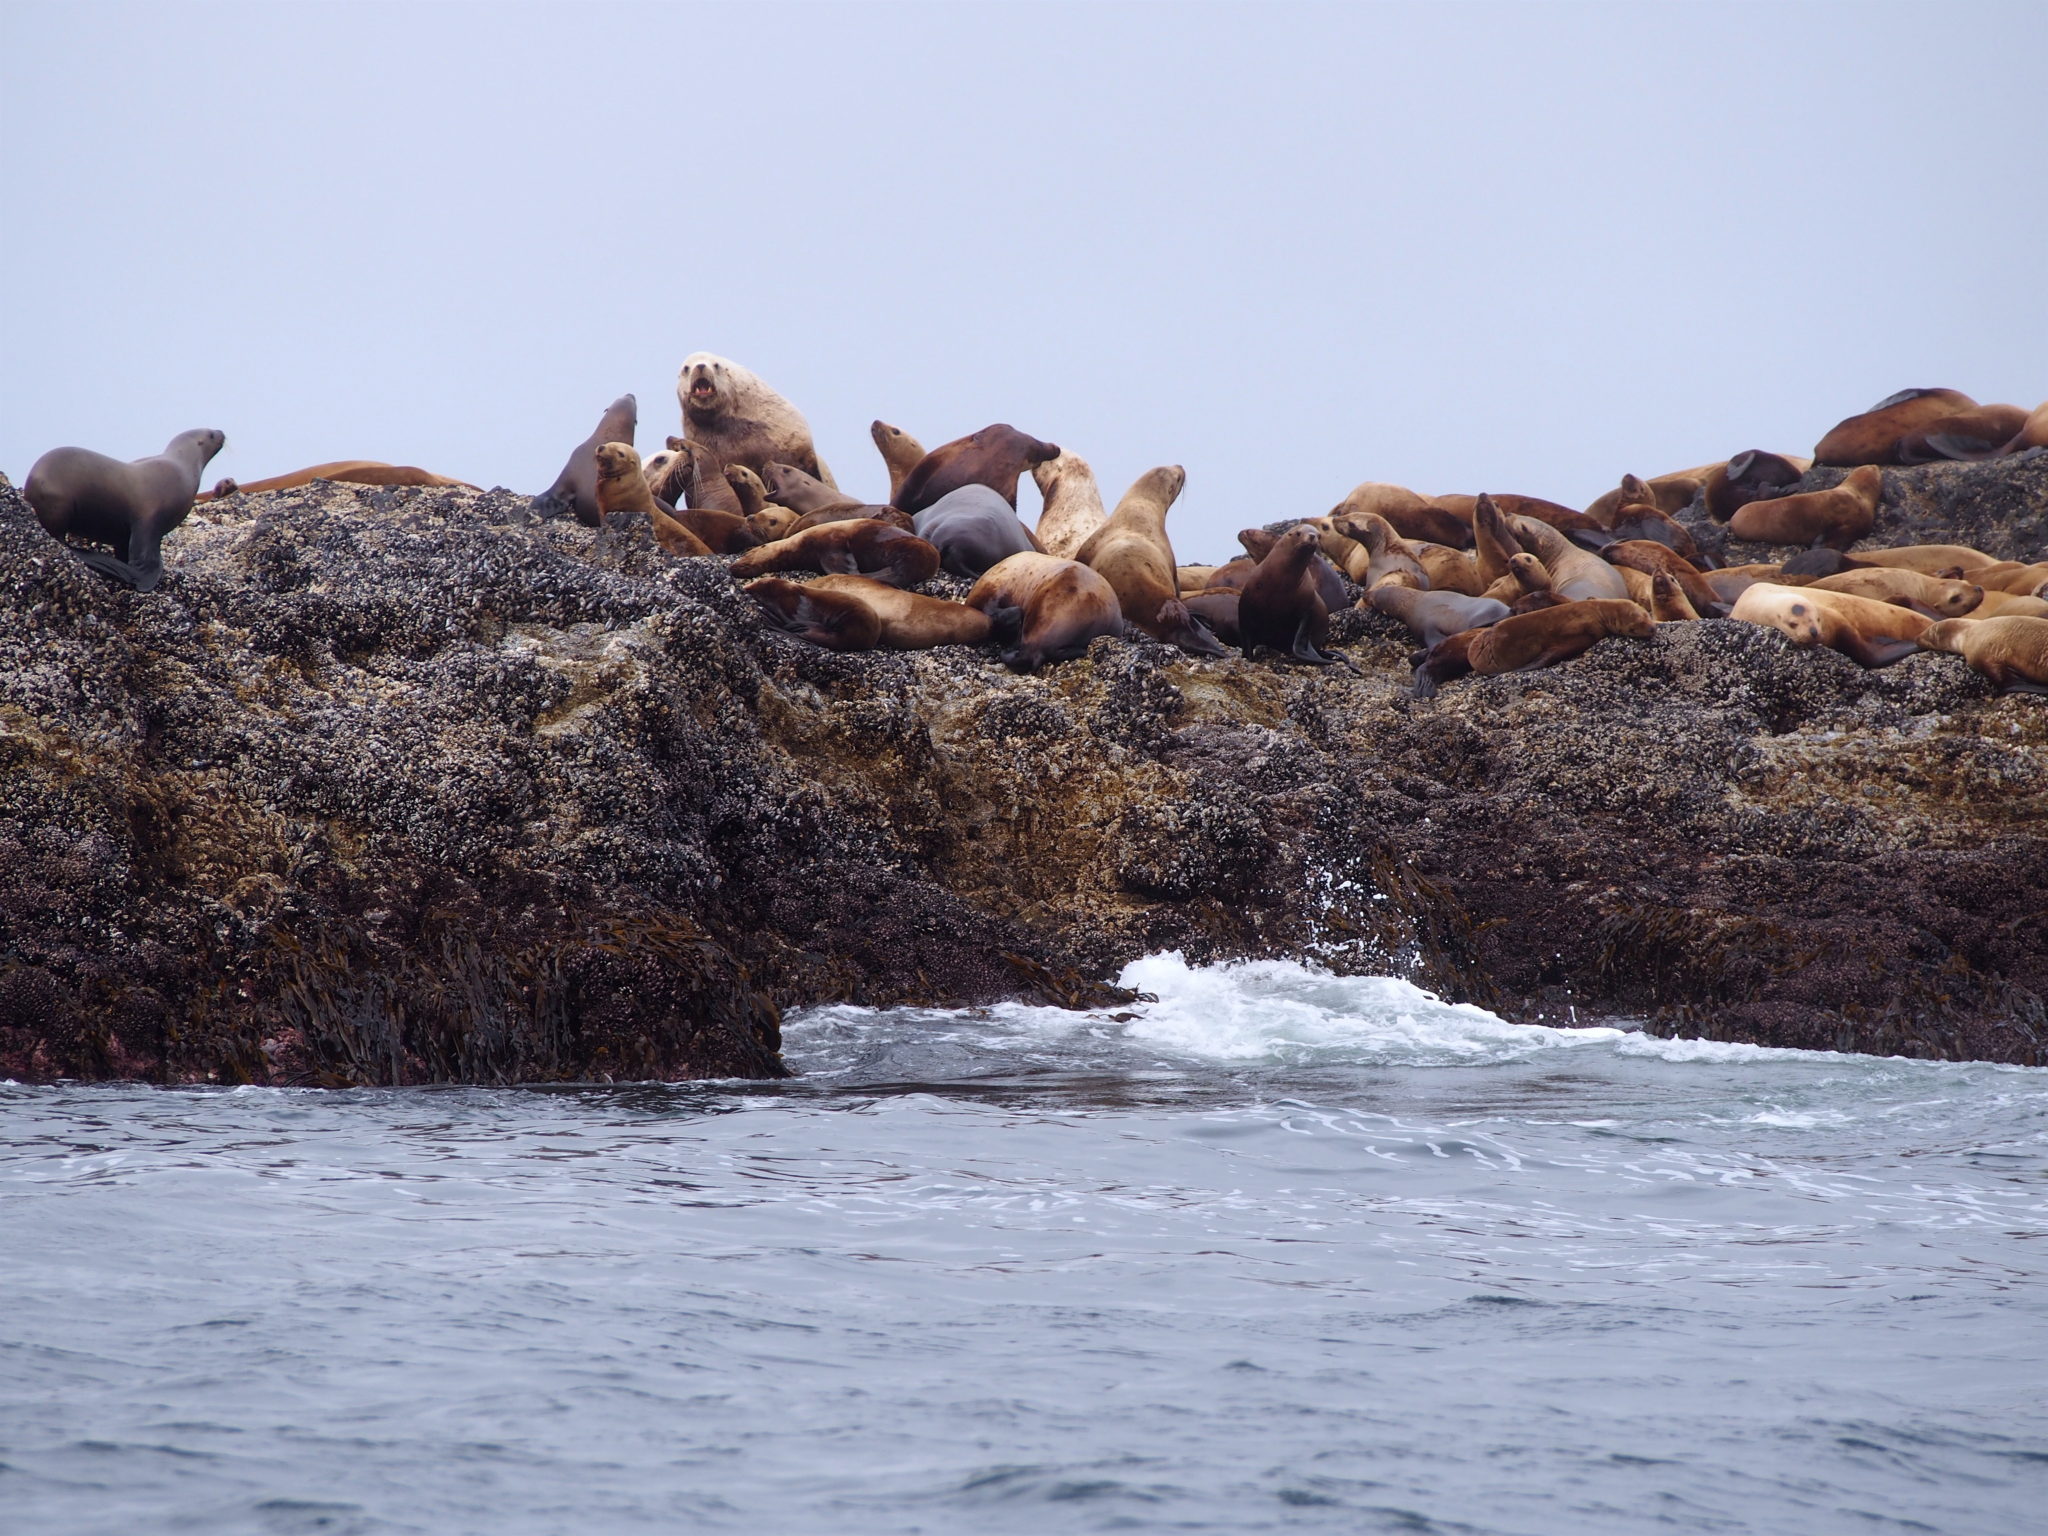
(408, 785)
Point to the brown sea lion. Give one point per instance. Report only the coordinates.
(1279, 605)
(1494, 542)
(1873, 436)
(2034, 434)
(1730, 582)
(1752, 475)
(342, 471)
(1525, 641)
(129, 506)
(1072, 504)
(1433, 615)
(622, 487)
(732, 411)
(1449, 658)
(1936, 598)
(574, 493)
(858, 546)
(1044, 609)
(1869, 634)
(1926, 558)
(1232, 574)
(1836, 517)
(1668, 602)
(836, 620)
(1413, 516)
(1134, 555)
(1218, 610)
(1564, 519)
(910, 620)
(893, 516)
(1448, 570)
(2021, 578)
(702, 480)
(1652, 559)
(2012, 652)
(996, 457)
(1976, 434)
(790, 486)
(900, 453)
(1578, 575)
(772, 523)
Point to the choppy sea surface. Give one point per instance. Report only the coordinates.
(1282, 1251)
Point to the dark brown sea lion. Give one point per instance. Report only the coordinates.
(1433, 615)
(1413, 516)
(622, 487)
(853, 547)
(2011, 651)
(1977, 434)
(1218, 610)
(996, 456)
(704, 485)
(1044, 609)
(791, 486)
(130, 506)
(574, 493)
(1837, 517)
(342, 471)
(911, 621)
(835, 620)
(1279, 605)
(1869, 634)
(732, 411)
(900, 454)
(1652, 559)
(1752, 475)
(1134, 555)
(1329, 581)
(1873, 436)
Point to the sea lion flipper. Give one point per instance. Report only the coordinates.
(1872, 653)
(838, 562)
(1304, 647)
(120, 570)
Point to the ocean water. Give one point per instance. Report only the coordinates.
(1280, 1252)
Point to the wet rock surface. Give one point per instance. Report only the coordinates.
(408, 786)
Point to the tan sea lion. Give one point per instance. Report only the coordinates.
(1386, 551)
(911, 621)
(996, 456)
(1668, 602)
(1653, 559)
(1132, 553)
(622, 487)
(1927, 558)
(1667, 493)
(852, 547)
(130, 506)
(1873, 436)
(2020, 578)
(1869, 634)
(1494, 542)
(2034, 434)
(1279, 605)
(1975, 434)
(1525, 641)
(1072, 504)
(1190, 578)
(1413, 516)
(342, 471)
(1836, 517)
(772, 523)
(1044, 609)
(1434, 615)
(735, 414)
(2012, 652)
(1935, 598)
(1577, 574)
(1999, 605)
(574, 493)
(836, 620)
(1448, 570)
(1752, 475)
(854, 512)
(900, 453)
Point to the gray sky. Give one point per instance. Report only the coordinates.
(1461, 247)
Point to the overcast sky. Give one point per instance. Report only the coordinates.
(1460, 247)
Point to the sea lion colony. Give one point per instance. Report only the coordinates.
(1489, 584)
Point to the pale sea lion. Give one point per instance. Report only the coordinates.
(733, 412)
(1190, 578)
(1873, 436)
(900, 453)
(2018, 577)
(974, 530)
(1134, 555)
(910, 620)
(1837, 517)
(1279, 605)
(129, 506)
(574, 493)
(835, 620)
(996, 456)
(1044, 609)
(1999, 605)
(622, 487)
(1926, 558)
(2012, 652)
(852, 547)
(1433, 615)
(1072, 504)
(1936, 598)
(1870, 634)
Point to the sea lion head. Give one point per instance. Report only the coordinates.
(1945, 635)
(705, 385)
(1634, 626)
(615, 460)
(1799, 620)
(1004, 436)
(1635, 489)
(205, 442)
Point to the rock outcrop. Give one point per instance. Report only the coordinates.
(406, 786)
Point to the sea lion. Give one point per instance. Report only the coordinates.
(666, 471)
(1576, 574)
(2034, 434)
(1258, 544)
(858, 546)
(1653, 559)
(1072, 504)
(130, 506)
(1494, 542)
(1134, 555)
(1044, 609)
(1667, 493)
(996, 457)
(1668, 602)
(791, 486)
(732, 411)
(1640, 521)
(1999, 605)
(748, 491)
(1927, 558)
(574, 493)
(900, 453)
(855, 511)
(2012, 652)
(1433, 615)
(772, 523)
(702, 480)
(1449, 658)
(1385, 550)
(1189, 578)
(1512, 504)
(2018, 577)
(1975, 434)
(622, 487)
(1873, 436)
(1935, 598)
(1232, 574)
(1218, 610)
(911, 621)
(1837, 517)
(1525, 641)
(1731, 581)
(974, 529)
(1752, 475)
(1279, 605)
(1869, 634)
(342, 471)
(1447, 569)
(1413, 516)
(836, 620)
